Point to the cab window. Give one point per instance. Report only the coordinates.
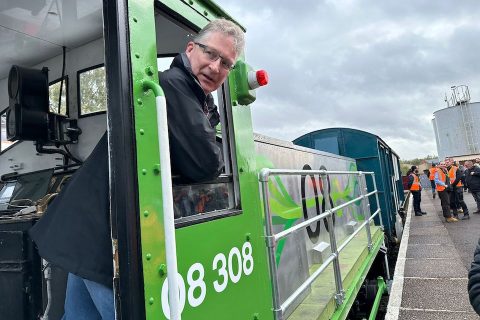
(219, 198)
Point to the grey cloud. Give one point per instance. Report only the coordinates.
(378, 66)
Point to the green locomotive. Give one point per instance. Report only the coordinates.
(285, 232)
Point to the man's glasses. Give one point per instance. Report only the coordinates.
(213, 55)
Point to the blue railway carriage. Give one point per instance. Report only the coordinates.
(371, 154)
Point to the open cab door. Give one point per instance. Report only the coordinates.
(218, 226)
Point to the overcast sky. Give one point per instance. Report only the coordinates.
(379, 66)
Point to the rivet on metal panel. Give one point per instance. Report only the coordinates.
(149, 71)
(135, 19)
(151, 300)
(156, 169)
(241, 170)
(144, 171)
(148, 256)
(234, 103)
(190, 2)
(137, 55)
(142, 132)
(162, 270)
(146, 213)
(205, 13)
(140, 102)
(256, 316)
(248, 236)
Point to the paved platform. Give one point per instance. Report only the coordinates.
(430, 279)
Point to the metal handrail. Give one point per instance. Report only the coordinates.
(307, 282)
(272, 238)
(301, 225)
(265, 173)
(350, 238)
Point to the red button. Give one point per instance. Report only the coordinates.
(262, 77)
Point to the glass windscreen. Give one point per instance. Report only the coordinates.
(30, 187)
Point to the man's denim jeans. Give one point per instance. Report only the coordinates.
(88, 300)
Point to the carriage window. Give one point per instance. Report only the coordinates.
(4, 144)
(54, 92)
(92, 90)
(219, 198)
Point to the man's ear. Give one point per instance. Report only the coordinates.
(190, 46)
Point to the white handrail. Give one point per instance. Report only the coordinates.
(168, 217)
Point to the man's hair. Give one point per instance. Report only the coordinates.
(227, 28)
(469, 163)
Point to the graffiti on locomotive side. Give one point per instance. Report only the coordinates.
(315, 181)
(287, 202)
(286, 211)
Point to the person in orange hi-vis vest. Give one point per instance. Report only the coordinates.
(415, 189)
(432, 178)
(442, 183)
(456, 195)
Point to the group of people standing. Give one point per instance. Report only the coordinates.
(449, 181)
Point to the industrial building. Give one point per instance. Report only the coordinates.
(456, 127)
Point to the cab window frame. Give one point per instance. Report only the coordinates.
(229, 176)
(79, 95)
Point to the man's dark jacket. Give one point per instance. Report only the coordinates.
(474, 281)
(74, 233)
(473, 181)
(192, 117)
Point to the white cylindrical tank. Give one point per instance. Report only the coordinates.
(457, 130)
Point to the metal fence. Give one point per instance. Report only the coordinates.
(273, 239)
